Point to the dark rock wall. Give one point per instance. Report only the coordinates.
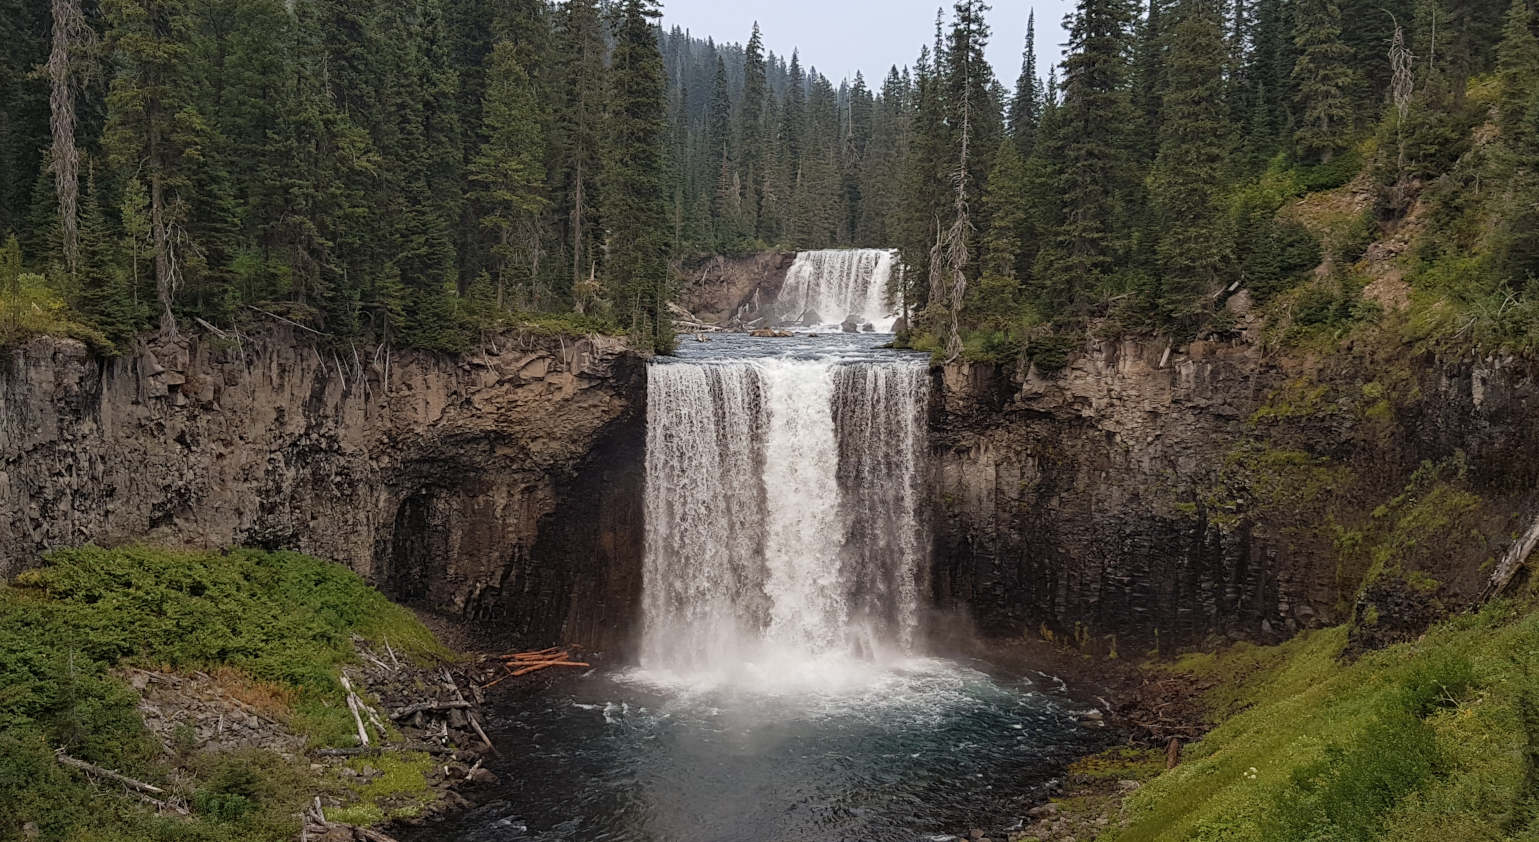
(1128, 502)
(442, 479)
(734, 290)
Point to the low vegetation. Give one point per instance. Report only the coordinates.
(279, 625)
(1427, 741)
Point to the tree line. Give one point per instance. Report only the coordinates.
(416, 170)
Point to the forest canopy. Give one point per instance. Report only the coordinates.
(416, 173)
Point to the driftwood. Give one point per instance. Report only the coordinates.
(1516, 556)
(474, 723)
(426, 707)
(353, 706)
(148, 793)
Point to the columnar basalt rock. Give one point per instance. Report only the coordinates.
(452, 482)
(1100, 503)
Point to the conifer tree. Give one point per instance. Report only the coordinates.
(153, 128)
(638, 251)
(582, 53)
(1026, 103)
(1185, 184)
(509, 173)
(1518, 67)
(1322, 79)
(751, 127)
(1093, 157)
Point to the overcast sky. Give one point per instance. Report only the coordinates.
(840, 37)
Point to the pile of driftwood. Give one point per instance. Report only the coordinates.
(523, 663)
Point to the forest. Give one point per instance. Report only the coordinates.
(418, 172)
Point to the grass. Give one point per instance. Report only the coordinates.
(273, 627)
(1422, 742)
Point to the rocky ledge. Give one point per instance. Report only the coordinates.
(503, 483)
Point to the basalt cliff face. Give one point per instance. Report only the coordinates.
(1149, 498)
(501, 485)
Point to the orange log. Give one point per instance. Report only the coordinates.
(537, 667)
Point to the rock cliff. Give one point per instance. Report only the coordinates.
(504, 484)
(1146, 497)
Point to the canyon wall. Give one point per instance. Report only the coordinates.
(1147, 498)
(501, 486)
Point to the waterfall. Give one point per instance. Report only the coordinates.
(783, 512)
(838, 283)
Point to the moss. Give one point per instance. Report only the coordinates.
(394, 786)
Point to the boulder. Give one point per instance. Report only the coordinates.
(851, 325)
(868, 328)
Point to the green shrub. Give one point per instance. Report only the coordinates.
(1337, 173)
(277, 617)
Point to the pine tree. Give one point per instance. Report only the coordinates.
(1185, 187)
(152, 127)
(1026, 104)
(1323, 80)
(509, 172)
(1093, 157)
(638, 263)
(751, 128)
(582, 53)
(1518, 67)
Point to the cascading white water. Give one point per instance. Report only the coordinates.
(783, 522)
(835, 284)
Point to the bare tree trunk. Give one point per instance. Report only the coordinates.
(160, 227)
(577, 219)
(70, 34)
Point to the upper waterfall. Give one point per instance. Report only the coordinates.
(783, 521)
(827, 287)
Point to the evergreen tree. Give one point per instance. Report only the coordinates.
(1026, 104)
(509, 172)
(1322, 79)
(1093, 156)
(638, 252)
(1518, 66)
(751, 128)
(153, 128)
(1185, 184)
(582, 54)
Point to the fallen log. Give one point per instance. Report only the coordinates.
(353, 705)
(539, 655)
(474, 723)
(544, 664)
(145, 792)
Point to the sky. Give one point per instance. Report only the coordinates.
(839, 37)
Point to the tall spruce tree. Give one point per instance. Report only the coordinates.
(580, 144)
(152, 127)
(1518, 67)
(1186, 183)
(1026, 103)
(1093, 158)
(510, 178)
(1322, 79)
(638, 249)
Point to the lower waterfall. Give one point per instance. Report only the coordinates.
(785, 692)
(783, 518)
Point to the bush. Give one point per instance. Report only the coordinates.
(278, 617)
